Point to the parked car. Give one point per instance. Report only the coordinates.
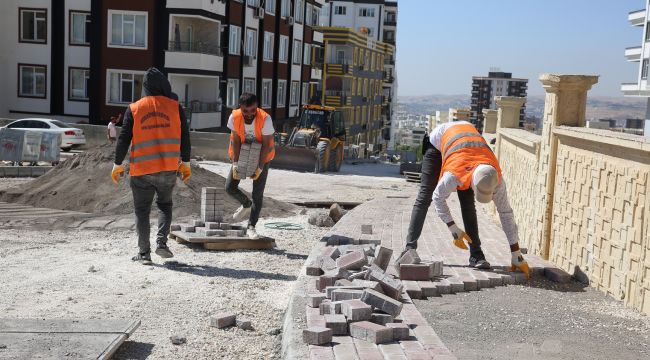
(71, 137)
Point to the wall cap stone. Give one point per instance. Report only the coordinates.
(553, 82)
(629, 141)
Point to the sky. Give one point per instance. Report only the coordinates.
(441, 44)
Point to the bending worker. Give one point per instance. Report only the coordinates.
(156, 129)
(249, 124)
(460, 160)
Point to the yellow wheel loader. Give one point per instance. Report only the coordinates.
(315, 144)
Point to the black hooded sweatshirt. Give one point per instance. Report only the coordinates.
(154, 84)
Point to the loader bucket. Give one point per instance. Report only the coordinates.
(294, 158)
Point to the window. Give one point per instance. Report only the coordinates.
(284, 48)
(124, 86)
(307, 55)
(249, 86)
(268, 46)
(79, 28)
(251, 43)
(314, 16)
(32, 81)
(33, 25)
(78, 84)
(299, 11)
(308, 18)
(128, 28)
(647, 32)
(233, 93)
(367, 12)
(286, 8)
(297, 51)
(282, 93)
(644, 69)
(295, 93)
(340, 10)
(267, 92)
(251, 2)
(305, 93)
(234, 46)
(269, 6)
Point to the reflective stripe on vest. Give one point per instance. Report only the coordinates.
(466, 144)
(155, 146)
(455, 138)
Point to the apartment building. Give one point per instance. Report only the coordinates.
(353, 82)
(497, 83)
(211, 51)
(640, 54)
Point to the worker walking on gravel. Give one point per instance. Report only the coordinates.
(249, 124)
(460, 160)
(156, 130)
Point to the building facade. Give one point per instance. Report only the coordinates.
(484, 89)
(640, 54)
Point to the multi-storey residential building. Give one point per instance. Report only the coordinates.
(484, 89)
(212, 51)
(641, 55)
(459, 114)
(353, 82)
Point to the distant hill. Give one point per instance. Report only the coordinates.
(598, 107)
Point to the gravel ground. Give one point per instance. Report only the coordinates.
(541, 320)
(6, 183)
(352, 184)
(176, 297)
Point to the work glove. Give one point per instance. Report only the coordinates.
(459, 237)
(519, 263)
(185, 170)
(235, 171)
(257, 174)
(118, 170)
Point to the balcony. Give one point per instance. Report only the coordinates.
(316, 74)
(199, 95)
(338, 69)
(633, 53)
(389, 61)
(194, 44)
(390, 21)
(634, 89)
(337, 98)
(215, 7)
(637, 18)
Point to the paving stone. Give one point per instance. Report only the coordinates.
(495, 279)
(418, 272)
(324, 307)
(317, 335)
(337, 323)
(330, 289)
(481, 279)
(456, 285)
(212, 225)
(557, 275)
(391, 286)
(339, 240)
(443, 286)
(223, 320)
(197, 223)
(413, 289)
(381, 318)
(331, 251)
(330, 307)
(371, 332)
(429, 289)
(368, 284)
(409, 257)
(339, 273)
(340, 295)
(356, 310)
(313, 270)
(400, 331)
(352, 261)
(382, 257)
(365, 239)
(188, 228)
(366, 229)
(358, 275)
(314, 300)
(244, 324)
(343, 282)
(324, 281)
(382, 302)
(175, 227)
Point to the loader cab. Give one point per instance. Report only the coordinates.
(328, 120)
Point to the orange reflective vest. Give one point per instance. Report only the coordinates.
(463, 149)
(156, 143)
(238, 125)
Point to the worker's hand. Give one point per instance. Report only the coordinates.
(519, 263)
(185, 170)
(459, 237)
(118, 170)
(235, 171)
(257, 174)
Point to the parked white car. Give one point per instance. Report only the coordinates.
(71, 137)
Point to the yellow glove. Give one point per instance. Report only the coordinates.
(235, 171)
(459, 237)
(185, 170)
(257, 174)
(118, 170)
(519, 263)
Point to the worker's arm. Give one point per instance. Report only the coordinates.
(506, 216)
(124, 140)
(108, 132)
(446, 186)
(186, 146)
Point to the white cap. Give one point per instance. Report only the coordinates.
(484, 181)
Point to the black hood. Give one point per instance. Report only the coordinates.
(155, 83)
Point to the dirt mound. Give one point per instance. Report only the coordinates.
(82, 183)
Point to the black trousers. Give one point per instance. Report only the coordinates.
(144, 188)
(431, 165)
(232, 188)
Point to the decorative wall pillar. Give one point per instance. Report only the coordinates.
(490, 118)
(508, 115)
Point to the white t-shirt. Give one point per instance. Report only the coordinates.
(436, 135)
(267, 129)
(112, 131)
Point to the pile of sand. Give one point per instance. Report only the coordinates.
(83, 183)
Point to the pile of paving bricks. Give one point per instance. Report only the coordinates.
(355, 292)
(249, 158)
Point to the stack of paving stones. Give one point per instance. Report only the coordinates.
(210, 229)
(249, 158)
(212, 205)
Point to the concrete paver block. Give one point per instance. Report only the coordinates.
(428, 288)
(382, 257)
(343, 282)
(400, 331)
(413, 289)
(381, 318)
(331, 251)
(330, 289)
(371, 332)
(352, 261)
(356, 310)
(198, 223)
(337, 323)
(313, 270)
(382, 302)
(366, 229)
(368, 284)
(223, 320)
(346, 294)
(326, 263)
(314, 300)
(317, 335)
(443, 286)
(409, 257)
(324, 281)
(418, 272)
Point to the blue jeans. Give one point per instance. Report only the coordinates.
(144, 188)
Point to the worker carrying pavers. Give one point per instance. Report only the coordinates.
(457, 158)
(249, 124)
(156, 130)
